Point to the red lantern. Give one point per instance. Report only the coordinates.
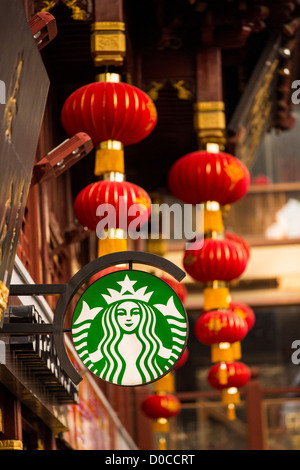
(215, 259)
(178, 287)
(109, 111)
(238, 375)
(161, 405)
(220, 326)
(238, 239)
(102, 273)
(243, 311)
(203, 176)
(109, 193)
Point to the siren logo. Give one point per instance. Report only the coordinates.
(2, 92)
(129, 327)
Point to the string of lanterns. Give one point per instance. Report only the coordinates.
(162, 404)
(217, 179)
(117, 114)
(114, 114)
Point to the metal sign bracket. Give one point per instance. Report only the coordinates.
(66, 293)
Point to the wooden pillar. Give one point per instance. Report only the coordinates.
(209, 116)
(255, 415)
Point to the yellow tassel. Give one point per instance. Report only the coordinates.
(111, 245)
(216, 297)
(230, 395)
(161, 425)
(165, 384)
(231, 412)
(213, 220)
(223, 374)
(221, 352)
(162, 444)
(109, 158)
(237, 350)
(157, 246)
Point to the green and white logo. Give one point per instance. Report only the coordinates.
(129, 327)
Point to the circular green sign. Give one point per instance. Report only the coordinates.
(129, 328)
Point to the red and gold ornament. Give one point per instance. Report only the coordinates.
(109, 111)
(108, 193)
(215, 259)
(245, 312)
(113, 114)
(222, 330)
(237, 376)
(203, 176)
(161, 405)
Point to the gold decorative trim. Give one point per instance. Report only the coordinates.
(108, 43)
(153, 92)
(108, 26)
(209, 106)
(11, 107)
(108, 77)
(210, 123)
(81, 10)
(77, 12)
(182, 92)
(46, 5)
(11, 444)
(4, 293)
(209, 119)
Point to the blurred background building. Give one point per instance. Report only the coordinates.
(241, 57)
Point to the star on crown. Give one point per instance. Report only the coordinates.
(127, 292)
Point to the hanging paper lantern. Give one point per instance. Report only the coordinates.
(243, 311)
(220, 326)
(238, 375)
(215, 259)
(178, 287)
(103, 272)
(161, 405)
(203, 176)
(238, 239)
(108, 194)
(109, 111)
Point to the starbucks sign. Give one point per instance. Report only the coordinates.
(129, 328)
